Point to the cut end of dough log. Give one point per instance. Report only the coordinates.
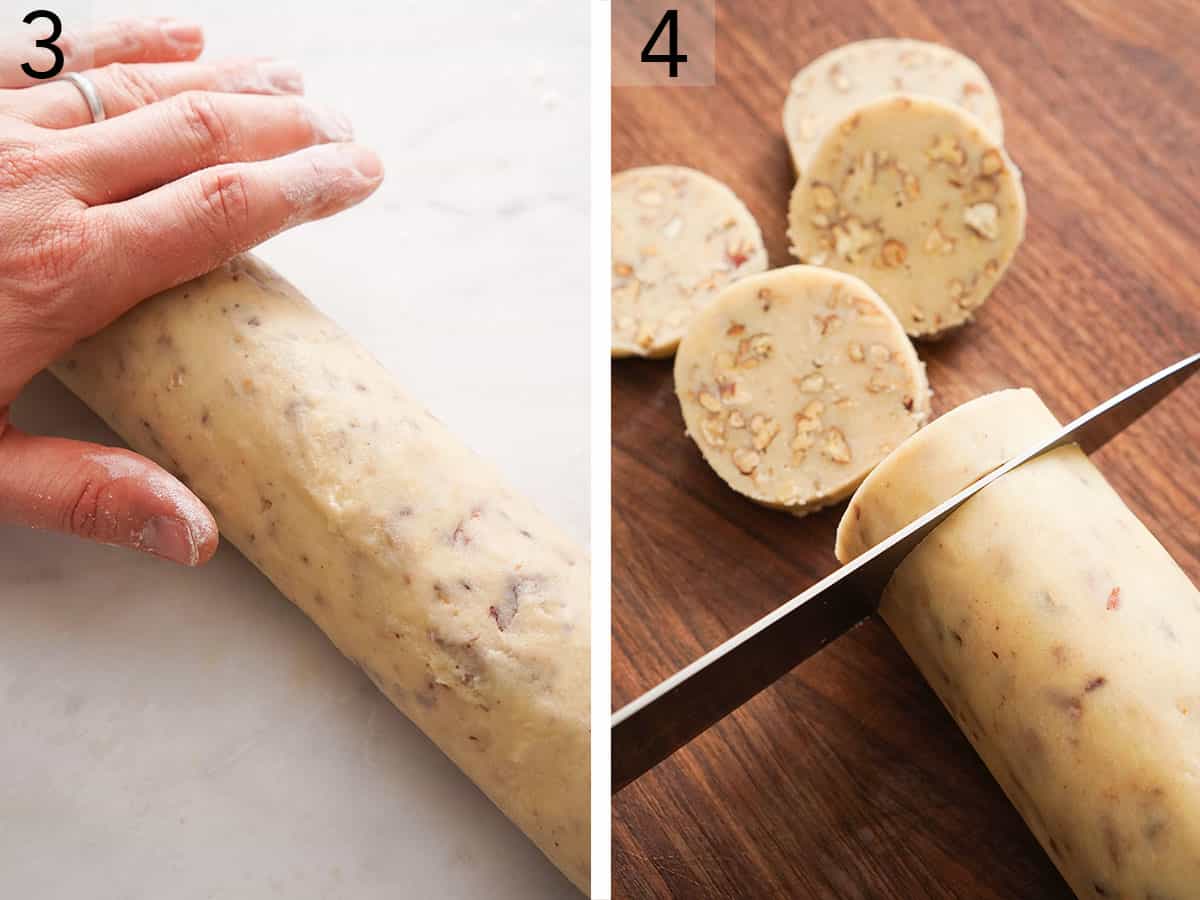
(950, 453)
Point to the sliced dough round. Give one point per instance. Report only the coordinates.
(912, 196)
(795, 383)
(678, 237)
(826, 90)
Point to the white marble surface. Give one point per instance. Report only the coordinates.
(180, 734)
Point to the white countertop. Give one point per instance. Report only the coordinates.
(170, 733)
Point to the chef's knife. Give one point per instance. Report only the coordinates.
(652, 727)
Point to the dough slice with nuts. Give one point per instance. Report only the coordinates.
(912, 196)
(795, 383)
(678, 237)
(830, 87)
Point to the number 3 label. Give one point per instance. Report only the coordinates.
(669, 21)
(46, 43)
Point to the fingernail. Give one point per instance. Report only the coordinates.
(330, 124)
(282, 76)
(185, 35)
(367, 164)
(169, 538)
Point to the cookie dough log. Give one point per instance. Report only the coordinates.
(1060, 635)
(678, 237)
(463, 604)
(911, 195)
(795, 383)
(826, 90)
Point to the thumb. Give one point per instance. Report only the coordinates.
(102, 494)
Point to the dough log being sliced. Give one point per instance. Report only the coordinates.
(465, 606)
(1059, 634)
(795, 383)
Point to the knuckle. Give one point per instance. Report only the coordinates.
(130, 83)
(224, 204)
(206, 124)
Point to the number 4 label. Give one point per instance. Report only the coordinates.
(669, 21)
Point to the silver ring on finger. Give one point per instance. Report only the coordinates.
(90, 95)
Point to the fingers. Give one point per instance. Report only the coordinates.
(191, 226)
(135, 153)
(125, 87)
(102, 494)
(127, 41)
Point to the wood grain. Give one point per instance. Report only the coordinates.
(847, 779)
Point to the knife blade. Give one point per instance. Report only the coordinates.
(656, 724)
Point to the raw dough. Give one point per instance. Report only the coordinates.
(795, 383)
(1061, 636)
(955, 451)
(909, 194)
(463, 604)
(678, 237)
(826, 90)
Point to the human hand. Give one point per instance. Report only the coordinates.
(195, 163)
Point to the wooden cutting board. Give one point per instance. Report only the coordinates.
(847, 779)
